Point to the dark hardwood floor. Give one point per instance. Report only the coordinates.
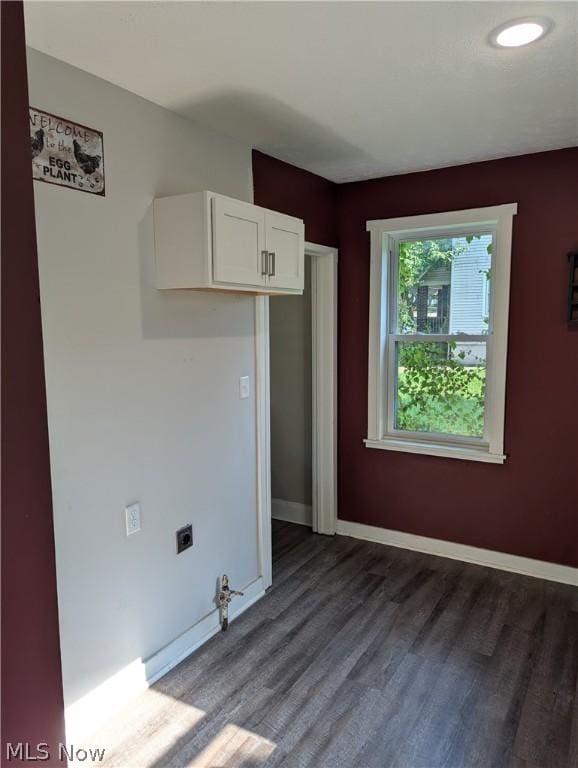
(367, 656)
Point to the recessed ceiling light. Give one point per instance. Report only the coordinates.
(520, 32)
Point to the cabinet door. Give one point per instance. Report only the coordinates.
(238, 242)
(285, 244)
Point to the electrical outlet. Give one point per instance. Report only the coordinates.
(132, 518)
(184, 538)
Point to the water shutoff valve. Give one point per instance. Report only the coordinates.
(224, 597)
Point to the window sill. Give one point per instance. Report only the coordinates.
(436, 449)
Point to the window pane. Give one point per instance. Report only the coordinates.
(440, 387)
(444, 285)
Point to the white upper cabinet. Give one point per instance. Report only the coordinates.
(238, 242)
(285, 250)
(205, 241)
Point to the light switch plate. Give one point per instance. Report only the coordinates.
(132, 516)
(244, 388)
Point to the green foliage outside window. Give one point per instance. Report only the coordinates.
(436, 390)
(416, 257)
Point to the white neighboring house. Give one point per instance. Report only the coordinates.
(465, 283)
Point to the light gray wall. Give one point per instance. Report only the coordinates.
(291, 391)
(142, 387)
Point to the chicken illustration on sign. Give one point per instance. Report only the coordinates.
(66, 153)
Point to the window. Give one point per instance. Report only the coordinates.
(438, 333)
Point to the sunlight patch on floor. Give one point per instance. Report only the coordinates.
(153, 734)
(233, 746)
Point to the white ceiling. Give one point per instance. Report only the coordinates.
(349, 90)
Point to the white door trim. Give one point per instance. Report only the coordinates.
(324, 382)
(263, 407)
(324, 401)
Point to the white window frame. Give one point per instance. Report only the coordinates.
(498, 221)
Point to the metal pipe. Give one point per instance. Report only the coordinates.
(225, 596)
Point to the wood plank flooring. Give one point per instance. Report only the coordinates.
(366, 656)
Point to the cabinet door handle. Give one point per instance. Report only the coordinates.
(264, 262)
(271, 263)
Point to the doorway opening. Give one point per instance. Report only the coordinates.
(303, 397)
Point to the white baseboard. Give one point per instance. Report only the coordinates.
(500, 560)
(91, 711)
(291, 512)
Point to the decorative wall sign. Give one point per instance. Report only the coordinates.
(66, 153)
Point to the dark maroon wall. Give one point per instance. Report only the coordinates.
(528, 506)
(291, 190)
(32, 705)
